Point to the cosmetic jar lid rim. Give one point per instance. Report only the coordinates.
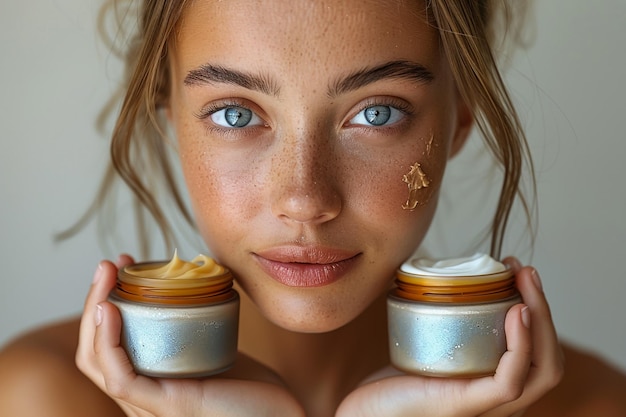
(177, 302)
(452, 280)
(208, 289)
(454, 300)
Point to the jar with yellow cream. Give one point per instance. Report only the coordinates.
(179, 319)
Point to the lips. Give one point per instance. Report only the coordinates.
(297, 266)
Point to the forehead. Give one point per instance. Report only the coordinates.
(320, 33)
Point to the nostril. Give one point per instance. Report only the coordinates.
(307, 207)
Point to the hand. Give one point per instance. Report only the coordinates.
(248, 389)
(531, 366)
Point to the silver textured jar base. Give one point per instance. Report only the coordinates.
(447, 340)
(179, 341)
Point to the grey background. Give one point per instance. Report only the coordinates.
(569, 86)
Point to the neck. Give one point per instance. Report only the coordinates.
(319, 368)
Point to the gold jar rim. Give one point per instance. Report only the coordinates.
(177, 291)
(464, 289)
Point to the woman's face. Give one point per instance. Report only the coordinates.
(297, 122)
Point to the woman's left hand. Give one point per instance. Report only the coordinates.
(532, 365)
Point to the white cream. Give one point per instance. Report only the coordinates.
(477, 264)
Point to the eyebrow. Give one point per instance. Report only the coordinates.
(211, 74)
(407, 70)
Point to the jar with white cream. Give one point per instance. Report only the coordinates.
(179, 319)
(446, 318)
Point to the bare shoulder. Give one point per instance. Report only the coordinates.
(40, 365)
(590, 387)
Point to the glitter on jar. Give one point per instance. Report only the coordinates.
(449, 326)
(180, 321)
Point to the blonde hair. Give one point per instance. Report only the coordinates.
(469, 33)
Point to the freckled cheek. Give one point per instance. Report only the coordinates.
(386, 188)
(213, 189)
(415, 176)
(200, 182)
(217, 215)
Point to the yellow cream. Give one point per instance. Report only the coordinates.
(199, 267)
(416, 179)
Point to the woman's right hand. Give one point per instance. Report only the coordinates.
(248, 389)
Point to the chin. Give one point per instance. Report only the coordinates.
(308, 325)
(310, 314)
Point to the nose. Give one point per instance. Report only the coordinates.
(305, 178)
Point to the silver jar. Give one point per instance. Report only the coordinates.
(447, 340)
(449, 326)
(187, 329)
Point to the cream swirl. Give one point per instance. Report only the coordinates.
(477, 264)
(199, 267)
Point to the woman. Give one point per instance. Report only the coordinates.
(296, 123)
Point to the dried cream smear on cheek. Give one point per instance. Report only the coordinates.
(416, 179)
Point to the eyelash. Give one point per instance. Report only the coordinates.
(208, 110)
(402, 106)
(212, 108)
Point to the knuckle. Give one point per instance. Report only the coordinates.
(81, 360)
(511, 391)
(554, 377)
(117, 389)
(553, 373)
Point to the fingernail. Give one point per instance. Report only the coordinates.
(537, 280)
(526, 317)
(98, 314)
(513, 264)
(98, 274)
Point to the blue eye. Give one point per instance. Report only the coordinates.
(235, 116)
(378, 115)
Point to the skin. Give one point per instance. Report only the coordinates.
(307, 178)
(307, 181)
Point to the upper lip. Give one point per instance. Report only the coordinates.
(306, 266)
(306, 254)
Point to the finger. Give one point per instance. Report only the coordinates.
(547, 361)
(547, 349)
(513, 263)
(546, 368)
(510, 378)
(123, 260)
(104, 280)
(514, 364)
(120, 380)
(103, 283)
